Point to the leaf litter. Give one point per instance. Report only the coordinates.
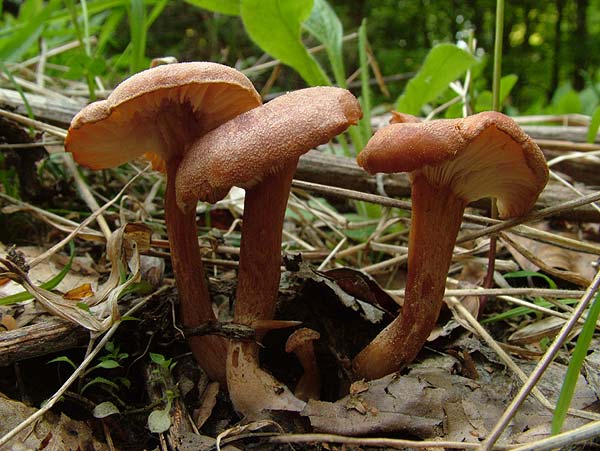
(431, 400)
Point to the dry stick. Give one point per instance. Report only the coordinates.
(453, 303)
(541, 366)
(563, 274)
(496, 225)
(81, 226)
(374, 441)
(587, 432)
(86, 194)
(82, 187)
(536, 215)
(332, 254)
(57, 396)
(504, 291)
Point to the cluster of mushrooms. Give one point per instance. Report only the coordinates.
(205, 126)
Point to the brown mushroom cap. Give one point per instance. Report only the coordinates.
(248, 148)
(158, 112)
(300, 337)
(484, 155)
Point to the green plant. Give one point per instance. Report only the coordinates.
(159, 420)
(111, 360)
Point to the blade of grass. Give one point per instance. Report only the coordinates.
(575, 363)
(137, 26)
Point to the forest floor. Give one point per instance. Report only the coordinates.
(113, 377)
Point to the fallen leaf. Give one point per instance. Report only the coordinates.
(9, 322)
(79, 293)
(52, 432)
(431, 402)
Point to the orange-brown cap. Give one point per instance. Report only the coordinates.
(248, 148)
(158, 112)
(301, 337)
(484, 155)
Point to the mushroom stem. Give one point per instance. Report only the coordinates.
(260, 250)
(252, 389)
(194, 299)
(436, 217)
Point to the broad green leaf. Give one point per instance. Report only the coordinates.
(108, 364)
(444, 63)
(325, 25)
(159, 421)
(105, 409)
(484, 99)
(229, 7)
(274, 25)
(17, 43)
(159, 359)
(565, 101)
(594, 126)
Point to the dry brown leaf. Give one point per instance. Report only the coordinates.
(534, 332)
(103, 308)
(564, 260)
(9, 322)
(79, 293)
(431, 402)
(208, 400)
(52, 432)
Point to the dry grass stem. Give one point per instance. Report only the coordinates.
(548, 357)
(375, 442)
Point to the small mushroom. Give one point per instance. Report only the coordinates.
(160, 112)
(451, 162)
(259, 150)
(301, 344)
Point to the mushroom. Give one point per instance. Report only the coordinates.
(451, 162)
(301, 344)
(259, 150)
(160, 112)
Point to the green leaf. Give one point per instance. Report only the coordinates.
(83, 306)
(108, 364)
(520, 311)
(65, 359)
(325, 25)
(159, 359)
(574, 368)
(565, 101)
(105, 409)
(229, 7)
(17, 43)
(594, 126)
(522, 274)
(274, 25)
(444, 63)
(99, 380)
(159, 421)
(484, 99)
(50, 284)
